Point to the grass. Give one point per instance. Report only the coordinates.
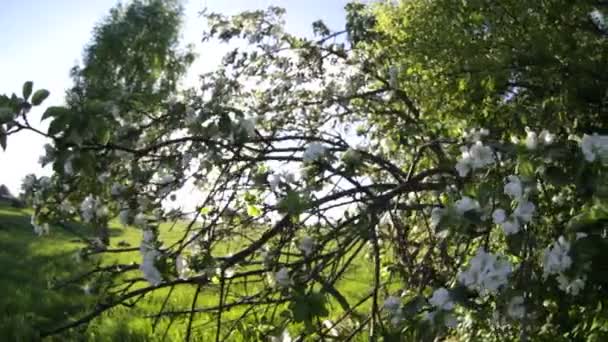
(32, 264)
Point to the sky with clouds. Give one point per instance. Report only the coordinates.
(42, 40)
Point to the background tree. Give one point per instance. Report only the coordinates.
(366, 146)
(130, 74)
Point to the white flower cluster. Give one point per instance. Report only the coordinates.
(276, 179)
(595, 147)
(149, 255)
(392, 305)
(475, 135)
(466, 204)
(313, 152)
(91, 207)
(282, 278)
(475, 157)
(486, 274)
(532, 139)
(556, 261)
(284, 337)
(522, 214)
(117, 189)
(66, 207)
(68, 167)
(39, 229)
(182, 267)
(598, 19)
(516, 308)
(307, 245)
(556, 258)
(436, 215)
(441, 300)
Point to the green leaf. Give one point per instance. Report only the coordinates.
(292, 204)
(59, 124)
(54, 111)
(515, 242)
(526, 168)
(39, 96)
(27, 89)
(6, 114)
(254, 211)
(556, 176)
(2, 138)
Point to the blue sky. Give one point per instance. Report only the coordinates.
(40, 40)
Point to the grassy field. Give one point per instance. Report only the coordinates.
(32, 265)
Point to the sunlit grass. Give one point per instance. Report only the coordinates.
(32, 265)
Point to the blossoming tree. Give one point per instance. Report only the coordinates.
(327, 156)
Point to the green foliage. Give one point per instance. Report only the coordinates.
(27, 89)
(39, 96)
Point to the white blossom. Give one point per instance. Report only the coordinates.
(546, 137)
(475, 135)
(514, 188)
(68, 168)
(89, 208)
(282, 278)
(331, 326)
(149, 255)
(516, 308)
(140, 220)
(307, 245)
(274, 180)
(556, 258)
(181, 266)
(510, 227)
(558, 199)
(86, 288)
(39, 229)
(101, 210)
(66, 207)
(570, 286)
(499, 216)
(595, 147)
(392, 304)
(116, 189)
(598, 19)
(284, 337)
(524, 210)
(475, 157)
(441, 299)
(486, 273)
(436, 216)
(531, 140)
(466, 204)
(313, 152)
(148, 268)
